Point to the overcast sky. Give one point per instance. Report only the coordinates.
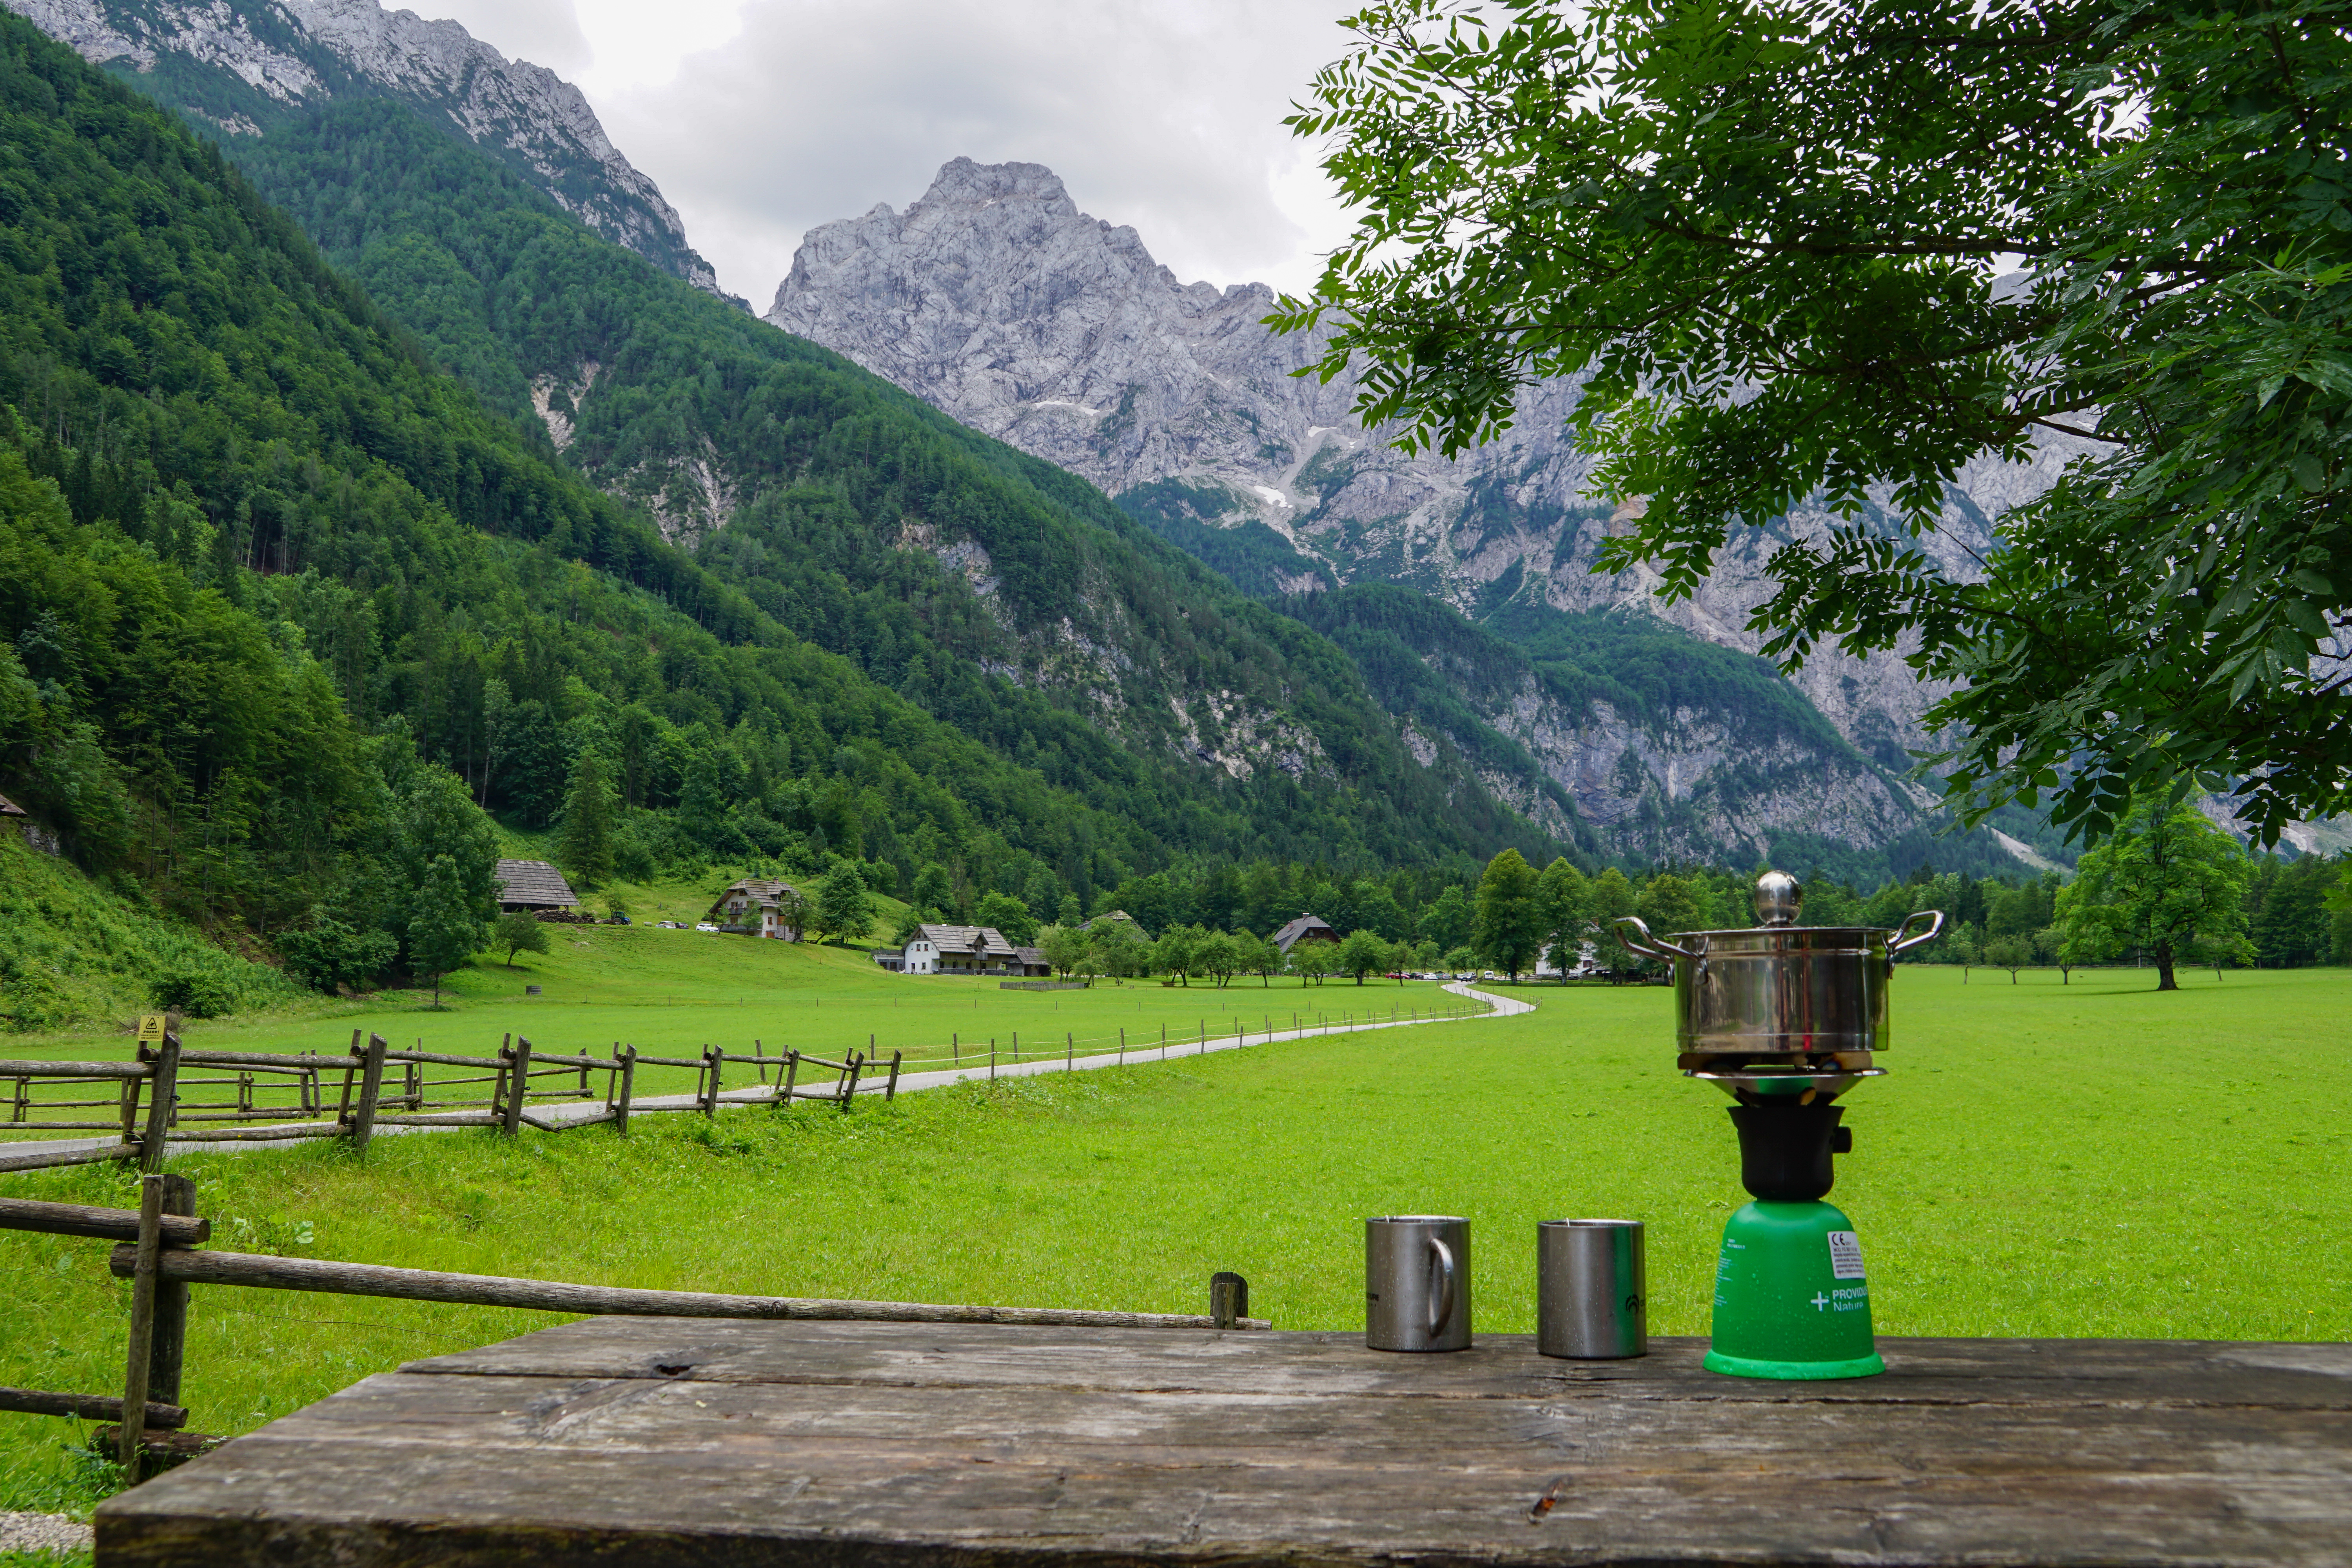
(761, 119)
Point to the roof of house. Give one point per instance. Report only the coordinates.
(982, 942)
(763, 890)
(1305, 928)
(10, 808)
(536, 883)
(1118, 916)
(1030, 955)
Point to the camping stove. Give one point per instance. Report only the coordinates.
(1786, 1019)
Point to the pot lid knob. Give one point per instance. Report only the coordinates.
(1779, 897)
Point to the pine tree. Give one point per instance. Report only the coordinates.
(587, 843)
(843, 907)
(442, 931)
(1508, 927)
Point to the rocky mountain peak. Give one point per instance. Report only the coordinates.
(996, 300)
(963, 182)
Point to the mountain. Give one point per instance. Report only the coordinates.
(996, 300)
(909, 644)
(238, 67)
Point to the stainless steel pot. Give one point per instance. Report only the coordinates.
(1781, 1009)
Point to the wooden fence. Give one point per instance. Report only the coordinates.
(175, 1095)
(157, 1099)
(159, 1251)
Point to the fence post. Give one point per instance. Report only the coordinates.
(171, 1339)
(792, 1071)
(370, 1091)
(162, 1101)
(992, 1058)
(1228, 1298)
(343, 1109)
(498, 1083)
(1122, 1045)
(518, 1083)
(1069, 1052)
(139, 1362)
(891, 1091)
(714, 1060)
(628, 1086)
(849, 1080)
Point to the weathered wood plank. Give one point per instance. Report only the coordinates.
(826, 1444)
(1923, 1372)
(162, 1415)
(14, 1068)
(109, 1224)
(70, 1157)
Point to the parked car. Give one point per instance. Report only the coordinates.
(704, 925)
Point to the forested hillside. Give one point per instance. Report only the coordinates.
(863, 520)
(258, 556)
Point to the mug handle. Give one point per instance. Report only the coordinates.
(1442, 1310)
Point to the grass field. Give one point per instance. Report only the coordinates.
(2094, 1159)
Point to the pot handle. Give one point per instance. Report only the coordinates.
(1649, 946)
(1902, 943)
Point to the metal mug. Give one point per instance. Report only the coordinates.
(1417, 1283)
(1592, 1295)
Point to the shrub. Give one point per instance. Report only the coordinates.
(194, 994)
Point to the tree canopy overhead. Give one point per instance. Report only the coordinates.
(1813, 253)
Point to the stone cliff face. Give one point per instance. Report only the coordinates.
(241, 64)
(997, 301)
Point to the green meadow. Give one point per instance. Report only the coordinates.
(670, 993)
(2042, 1160)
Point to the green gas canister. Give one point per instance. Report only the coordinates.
(1790, 1300)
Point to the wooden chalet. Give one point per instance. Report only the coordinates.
(1305, 928)
(755, 906)
(959, 950)
(531, 886)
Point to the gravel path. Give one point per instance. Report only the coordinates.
(42, 1533)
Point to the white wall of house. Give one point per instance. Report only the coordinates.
(922, 957)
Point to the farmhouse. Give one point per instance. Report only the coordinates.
(759, 906)
(1030, 961)
(533, 885)
(959, 950)
(1305, 928)
(10, 808)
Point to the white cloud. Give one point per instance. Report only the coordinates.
(761, 119)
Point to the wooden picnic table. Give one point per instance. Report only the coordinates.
(654, 1442)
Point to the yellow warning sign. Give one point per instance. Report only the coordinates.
(151, 1028)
